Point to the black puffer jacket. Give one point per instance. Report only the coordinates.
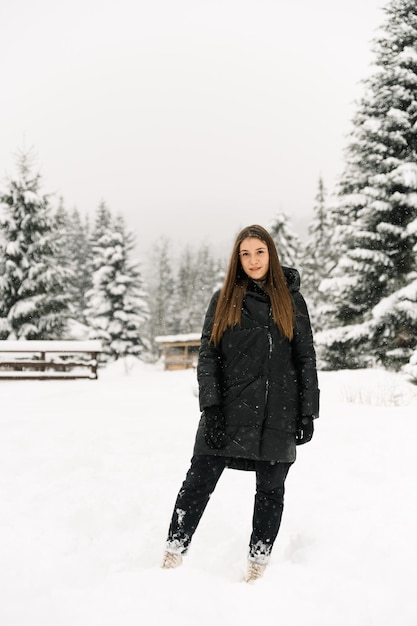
(260, 379)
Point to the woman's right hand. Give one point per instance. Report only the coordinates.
(214, 428)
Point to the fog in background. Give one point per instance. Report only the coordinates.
(190, 118)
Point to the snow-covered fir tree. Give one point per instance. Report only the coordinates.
(370, 307)
(186, 285)
(117, 306)
(197, 278)
(161, 287)
(33, 295)
(103, 222)
(318, 256)
(209, 276)
(410, 368)
(80, 257)
(286, 241)
(75, 253)
(164, 288)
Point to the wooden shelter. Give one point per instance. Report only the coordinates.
(180, 351)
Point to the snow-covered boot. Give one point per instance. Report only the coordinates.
(171, 560)
(255, 570)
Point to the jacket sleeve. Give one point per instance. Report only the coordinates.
(209, 368)
(305, 359)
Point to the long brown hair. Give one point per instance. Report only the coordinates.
(229, 306)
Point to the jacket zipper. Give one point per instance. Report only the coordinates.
(269, 335)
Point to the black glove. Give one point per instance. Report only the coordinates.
(215, 428)
(305, 429)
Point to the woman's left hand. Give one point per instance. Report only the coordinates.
(305, 429)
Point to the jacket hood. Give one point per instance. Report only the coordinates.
(292, 276)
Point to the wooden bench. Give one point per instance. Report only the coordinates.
(26, 359)
(180, 351)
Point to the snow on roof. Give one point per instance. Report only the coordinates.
(178, 338)
(91, 345)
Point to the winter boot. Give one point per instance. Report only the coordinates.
(171, 560)
(255, 570)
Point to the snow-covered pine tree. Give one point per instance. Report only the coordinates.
(377, 204)
(161, 291)
(117, 307)
(207, 281)
(198, 277)
(410, 369)
(80, 253)
(33, 296)
(74, 252)
(286, 241)
(185, 288)
(102, 223)
(318, 259)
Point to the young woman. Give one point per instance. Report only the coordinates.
(258, 393)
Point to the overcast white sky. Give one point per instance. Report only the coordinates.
(192, 118)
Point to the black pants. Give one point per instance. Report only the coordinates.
(200, 483)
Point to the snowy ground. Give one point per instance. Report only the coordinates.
(89, 471)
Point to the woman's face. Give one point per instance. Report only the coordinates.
(254, 257)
